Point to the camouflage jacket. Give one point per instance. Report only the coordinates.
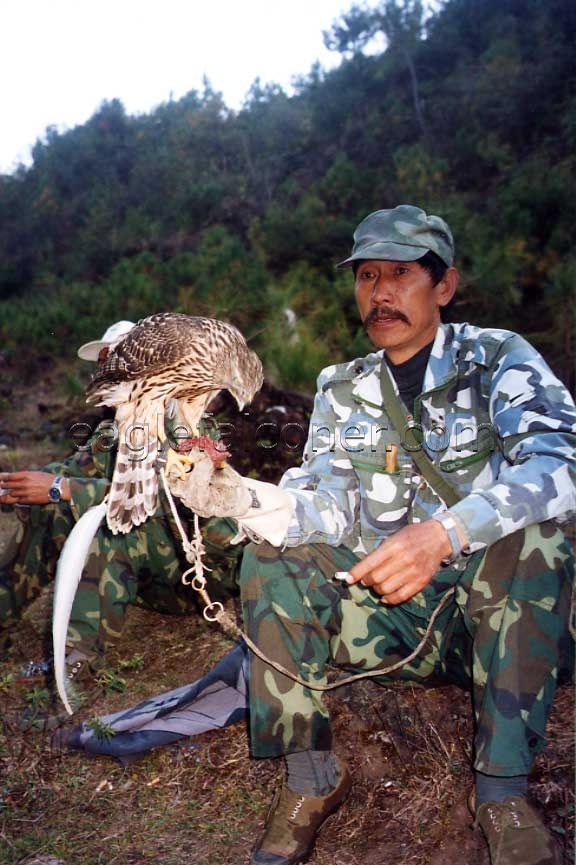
(493, 418)
(89, 471)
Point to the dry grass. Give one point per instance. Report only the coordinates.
(202, 801)
(175, 805)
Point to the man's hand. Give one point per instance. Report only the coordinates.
(28, 488)
(405, 563)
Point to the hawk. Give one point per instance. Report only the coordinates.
(165, 357)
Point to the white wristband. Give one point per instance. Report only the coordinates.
(449, 523)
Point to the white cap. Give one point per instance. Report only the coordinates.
(110, 338)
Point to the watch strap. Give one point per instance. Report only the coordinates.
(449, 523)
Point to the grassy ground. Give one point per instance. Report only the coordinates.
(203, 801)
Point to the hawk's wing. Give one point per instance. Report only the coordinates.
(166, 356)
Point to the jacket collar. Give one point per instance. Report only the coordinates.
(443, 358)
(454, 345)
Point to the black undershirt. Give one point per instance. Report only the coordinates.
(409, 375)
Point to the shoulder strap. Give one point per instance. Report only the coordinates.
(413, 439)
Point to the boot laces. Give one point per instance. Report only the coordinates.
(495, 813)
(297, 807)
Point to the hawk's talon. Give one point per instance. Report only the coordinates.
(177, 461)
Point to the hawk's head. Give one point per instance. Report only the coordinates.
(245, 377)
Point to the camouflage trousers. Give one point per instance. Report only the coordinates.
(143, 567)
(29, 561)
(503, 634)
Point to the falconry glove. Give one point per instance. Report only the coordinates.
(268, 517)
(206, 489)
(262, 510)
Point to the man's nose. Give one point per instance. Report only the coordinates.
(383, 291)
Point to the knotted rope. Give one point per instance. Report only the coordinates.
(214, 611)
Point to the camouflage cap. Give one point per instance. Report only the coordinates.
(404, 233)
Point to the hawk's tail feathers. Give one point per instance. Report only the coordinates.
(133, 495)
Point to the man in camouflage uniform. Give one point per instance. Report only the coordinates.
(374, 555)
(144, 566)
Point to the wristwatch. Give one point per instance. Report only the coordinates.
(55, 490)
(449, 523)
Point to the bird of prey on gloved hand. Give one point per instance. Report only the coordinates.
(168, 356)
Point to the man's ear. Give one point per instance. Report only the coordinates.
(447, 286)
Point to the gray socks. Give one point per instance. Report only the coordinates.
(494, 788)
(314, 773)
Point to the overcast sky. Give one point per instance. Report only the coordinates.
(61, 58)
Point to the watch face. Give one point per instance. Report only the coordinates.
(55, 492)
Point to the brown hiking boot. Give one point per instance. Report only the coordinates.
(293, 823)
(515, 833)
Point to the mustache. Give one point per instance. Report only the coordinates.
(388, 311)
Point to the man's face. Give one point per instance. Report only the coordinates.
(399, 306)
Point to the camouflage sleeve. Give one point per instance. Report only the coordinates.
(535, 419)
(325, 486)
(88, 475)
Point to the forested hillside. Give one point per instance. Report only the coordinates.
(470, 113)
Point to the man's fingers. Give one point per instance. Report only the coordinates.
(370, 563)
(398, 597)
(391, 584)
(8, 499)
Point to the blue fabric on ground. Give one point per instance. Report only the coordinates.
(212, 702)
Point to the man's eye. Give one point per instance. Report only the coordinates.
(400, 270)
